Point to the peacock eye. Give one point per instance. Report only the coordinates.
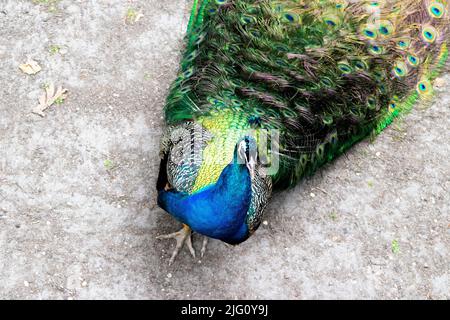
(332, 20)
(400, 69)
(386, 28)
(436, 10)
(326, 82)
(289, 17)
(376, 50)
(369, 31)
(246, 19)
(236, 103)
(361, 65)
(424, 87)
(429, 34)
(413, 60)
(403, 44)
(344, 67)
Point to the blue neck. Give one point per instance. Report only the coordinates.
(218, 211)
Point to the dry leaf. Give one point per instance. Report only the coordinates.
(30, 67)
(48, 98)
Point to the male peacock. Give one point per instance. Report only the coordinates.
(309, 78)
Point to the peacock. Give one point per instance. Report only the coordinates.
(268, 91)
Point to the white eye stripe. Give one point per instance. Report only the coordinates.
(242, 151)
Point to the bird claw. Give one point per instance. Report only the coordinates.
(183, 236)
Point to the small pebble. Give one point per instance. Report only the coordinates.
(439, 82)
(378, 154)
(312, 195)
(265, 222)
(169, 275)
(26, 284)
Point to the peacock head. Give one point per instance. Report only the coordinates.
(218, 210)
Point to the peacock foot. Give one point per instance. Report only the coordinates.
(183, 236)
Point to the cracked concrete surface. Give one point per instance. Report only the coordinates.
(77, 215)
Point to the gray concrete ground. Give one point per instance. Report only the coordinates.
(77, 216)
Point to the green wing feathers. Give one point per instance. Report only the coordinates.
(324, 73)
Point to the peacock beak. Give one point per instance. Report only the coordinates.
(251, 165)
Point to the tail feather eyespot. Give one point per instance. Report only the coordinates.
(400, 69)
(424, 87)
(436, 10)
(403, 44)
(386, 28)
(429, 34)
(413, 60)
(369, 31)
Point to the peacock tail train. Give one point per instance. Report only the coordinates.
(324, 74)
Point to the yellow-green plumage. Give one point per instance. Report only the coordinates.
(228, 127)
